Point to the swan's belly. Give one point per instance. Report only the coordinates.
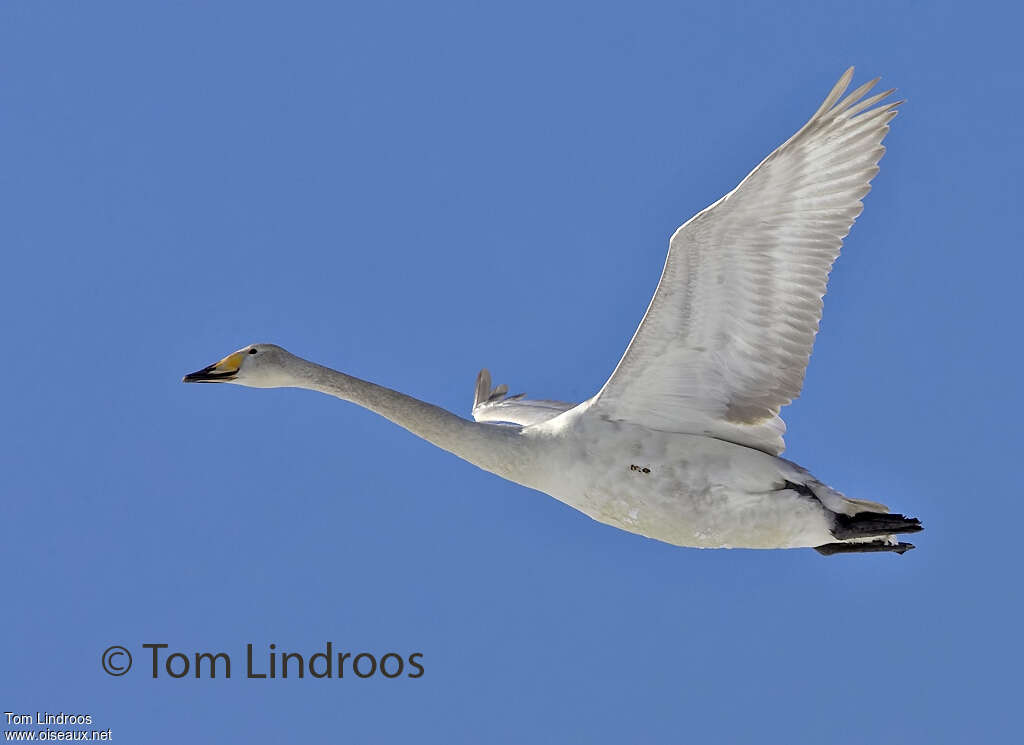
(686, 490)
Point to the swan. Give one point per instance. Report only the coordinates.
(683, 442)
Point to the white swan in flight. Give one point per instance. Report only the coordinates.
(682, 443)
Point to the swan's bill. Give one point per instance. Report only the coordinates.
(218, 372)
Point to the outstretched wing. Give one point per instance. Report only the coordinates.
(726, 339)
(495, 405)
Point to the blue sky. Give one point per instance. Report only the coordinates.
(410, 192)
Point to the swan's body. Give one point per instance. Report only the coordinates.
(682, 443)
(633, 478)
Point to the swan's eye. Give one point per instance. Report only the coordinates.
(252, 351)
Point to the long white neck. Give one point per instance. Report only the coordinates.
(497, 449)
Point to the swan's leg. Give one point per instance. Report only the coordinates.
(867, 524)
(857, 548)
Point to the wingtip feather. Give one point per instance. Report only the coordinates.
(837, 91)
(859, 106)
(483, 387)
(853, 97)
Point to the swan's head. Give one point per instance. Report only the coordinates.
(256, 366)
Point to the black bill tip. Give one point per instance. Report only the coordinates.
(209, 374)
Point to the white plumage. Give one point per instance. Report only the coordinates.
(682, 442)
(495, 405)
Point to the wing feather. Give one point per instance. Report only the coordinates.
(495, 405)
(726, 339)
